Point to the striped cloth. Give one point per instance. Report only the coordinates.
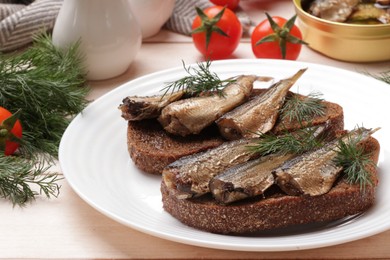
(183, 14)
(21, 20)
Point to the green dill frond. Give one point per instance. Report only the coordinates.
(296, 142)
(355, 162)
(18, 176)
(301, 109)
(48, 86)
(199, 80)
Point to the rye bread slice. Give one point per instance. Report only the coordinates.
(275, 209)
(151, 148)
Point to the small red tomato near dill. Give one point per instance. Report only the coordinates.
(10, 131)
(216, 32)
(277, 38)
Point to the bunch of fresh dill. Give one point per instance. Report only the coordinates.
(48, 86)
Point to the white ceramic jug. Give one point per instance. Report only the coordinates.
(109, 33)
(151, 14)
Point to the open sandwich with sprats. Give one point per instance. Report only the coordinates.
(235, 159)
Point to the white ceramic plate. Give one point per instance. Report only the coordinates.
(94, 159)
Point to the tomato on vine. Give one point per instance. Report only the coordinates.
(216, 32)
(277, 38)
(10, 131)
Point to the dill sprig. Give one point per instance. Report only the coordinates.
(47, 86)
(355, 162)
(18, 176)
(383, 76)
(296, 142)
(300, 109)
(199, 80)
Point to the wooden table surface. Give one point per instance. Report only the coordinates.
(68, 228)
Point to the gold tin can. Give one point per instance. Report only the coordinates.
(342, 41)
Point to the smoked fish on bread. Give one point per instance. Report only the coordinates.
(172, 143)
(274, 208)
(151, 148)
(153, 142)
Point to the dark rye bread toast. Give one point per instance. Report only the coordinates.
(151, 148)
(275, 209)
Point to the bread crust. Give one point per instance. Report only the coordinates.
(276, 209)
(152, 149)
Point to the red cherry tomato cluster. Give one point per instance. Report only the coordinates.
(10, 131)
(216, 33)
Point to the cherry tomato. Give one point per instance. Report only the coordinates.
(231, 4)
(10, 128)
(216, 32)
(277, 38)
